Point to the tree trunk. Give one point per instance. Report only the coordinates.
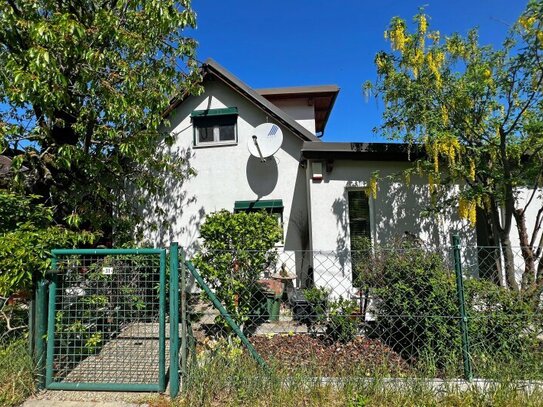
(508, 210)
(488, 250)
(509, 261)
(528, 276)
(507, 280)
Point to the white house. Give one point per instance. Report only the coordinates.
(317, 189)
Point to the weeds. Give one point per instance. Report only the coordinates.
(16, 373)
(238, 381)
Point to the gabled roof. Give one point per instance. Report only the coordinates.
(322, 98)
(211, 67)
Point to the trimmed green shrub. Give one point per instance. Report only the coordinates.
(237, 248)
(317, 297)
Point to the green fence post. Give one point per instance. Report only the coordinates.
(40, 329)
(174, 320)
(51, 313)
(162, 323)
(184, 314)
(468, 374)
(32, 320)
(226, 316)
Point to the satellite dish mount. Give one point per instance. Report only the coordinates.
(266, 141)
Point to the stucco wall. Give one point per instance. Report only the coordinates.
(299, 110)
(225, 174)
(396, 209)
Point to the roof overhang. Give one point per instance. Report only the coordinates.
(361, 151)
(322, 97)
(211, 68)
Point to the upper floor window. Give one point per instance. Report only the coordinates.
(215, 126)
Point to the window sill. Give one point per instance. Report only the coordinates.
(216, 144)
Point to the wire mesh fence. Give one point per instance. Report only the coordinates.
(393, 311)
(106, 319)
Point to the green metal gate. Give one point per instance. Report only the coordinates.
(106, 325)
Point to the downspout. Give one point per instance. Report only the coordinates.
(309, 218)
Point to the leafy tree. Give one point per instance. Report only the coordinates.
(27, 234)
(84, 85)
(477, 112)
(236, 250)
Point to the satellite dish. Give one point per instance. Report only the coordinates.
(265, 141)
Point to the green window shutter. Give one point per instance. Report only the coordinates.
(360, 233)
(359, 214)
(227, 111)
(272, 205)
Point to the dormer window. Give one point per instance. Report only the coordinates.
(214, 127)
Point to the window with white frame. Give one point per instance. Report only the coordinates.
(215, 126)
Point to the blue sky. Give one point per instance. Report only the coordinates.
(310, 42)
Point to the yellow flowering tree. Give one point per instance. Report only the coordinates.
(476, 112)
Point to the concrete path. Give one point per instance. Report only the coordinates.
(132, 357)
(60, 398)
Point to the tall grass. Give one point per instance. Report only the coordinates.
(16, 373)
(223, 380)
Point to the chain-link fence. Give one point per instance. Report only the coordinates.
(398, 311)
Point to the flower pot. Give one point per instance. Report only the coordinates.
(273, 306)
(272, 291)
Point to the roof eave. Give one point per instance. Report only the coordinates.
(361, 151)
(332, 103)
(292, 92)
(298, 90)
